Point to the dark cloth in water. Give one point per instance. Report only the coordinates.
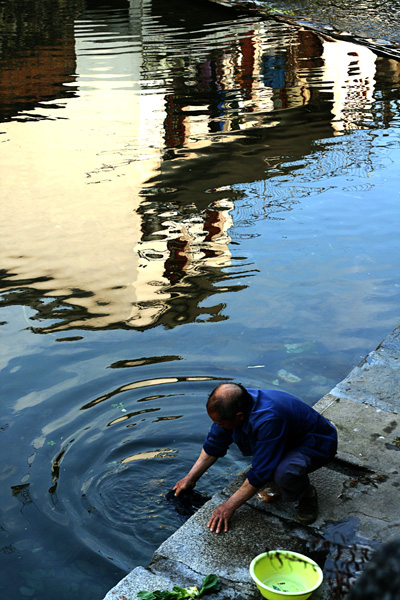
(187, 502)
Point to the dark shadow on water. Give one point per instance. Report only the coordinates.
(187, 503)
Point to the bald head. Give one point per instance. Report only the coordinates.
(227, 400)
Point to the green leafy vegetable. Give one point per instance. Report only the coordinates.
(147, 595)
(209, 584)
(183, 593)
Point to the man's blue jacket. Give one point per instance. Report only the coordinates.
(274, 424)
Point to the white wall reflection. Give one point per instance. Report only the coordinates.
(351, 68)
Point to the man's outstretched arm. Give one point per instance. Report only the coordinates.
(199, 468)
(220, 517)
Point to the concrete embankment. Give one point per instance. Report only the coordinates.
(358, 498)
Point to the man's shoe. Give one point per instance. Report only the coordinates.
(307, 510)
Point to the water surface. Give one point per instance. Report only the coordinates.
(188, 197)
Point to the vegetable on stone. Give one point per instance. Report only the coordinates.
(209, 584)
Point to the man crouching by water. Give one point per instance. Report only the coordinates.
(286, 438)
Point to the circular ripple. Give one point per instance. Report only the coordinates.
(127, 449)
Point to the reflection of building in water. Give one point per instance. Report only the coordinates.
(120, 232)
(265, 68)
(257, 72)
(387, 79)
(75, 251)
(184, 249)
(351, 68)
(36, 64)
(223, 91)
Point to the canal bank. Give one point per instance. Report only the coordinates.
(358, 499)
(372, 24)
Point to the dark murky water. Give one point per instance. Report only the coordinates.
(187, 197)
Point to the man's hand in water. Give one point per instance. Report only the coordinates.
(199, 468)
(184, 485)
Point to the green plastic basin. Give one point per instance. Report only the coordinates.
(282, 574)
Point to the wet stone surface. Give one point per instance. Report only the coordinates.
(376, 380)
